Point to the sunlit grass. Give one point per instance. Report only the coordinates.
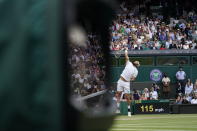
(169, 122)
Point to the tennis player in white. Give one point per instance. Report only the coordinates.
(129, 73)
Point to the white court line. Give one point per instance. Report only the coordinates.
(123, 129)
(134, 126)
(169, 117)
(130, 124)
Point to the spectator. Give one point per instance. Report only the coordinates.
(194, 100)
(184, 100)
(136, 95)
(88, 87)
(181, 77)
(156, 88)
(143, 97)
(179, 89)
(168, 43)
(188, 97)
(154, 47)
(162, 47)
(178, 100)
(166, 85)
(188, 87)
(173, 45)
(139, 47)
(195, 88)
(146, 93)
(153, 94)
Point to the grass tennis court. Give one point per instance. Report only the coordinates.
(168, 122)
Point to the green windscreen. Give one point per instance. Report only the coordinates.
(146, 61)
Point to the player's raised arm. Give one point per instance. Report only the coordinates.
(126, 56)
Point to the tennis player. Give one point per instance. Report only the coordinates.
(129, 74)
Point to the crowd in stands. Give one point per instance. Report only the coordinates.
(189, 95)
(139, 32)
(186, 90)
(87, 68)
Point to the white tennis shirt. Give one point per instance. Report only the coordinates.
(129, 71)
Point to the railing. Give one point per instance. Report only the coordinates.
(159, 52)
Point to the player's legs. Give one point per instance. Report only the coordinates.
(119, 94)
(124, 87)
(128, 103)
(128, 96)
(118, 97)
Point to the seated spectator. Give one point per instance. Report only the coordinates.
(95, 88)
(178, 100)
(167, 44)
(184, 100)
(179, 89)
(146, 93)
(139, 47)
(195, 88)
(143, 97)
(162, 37)
(188, 87)
(136, 95)
(162, 47)
(146, 47)
(115, 97)
(102, 86)
(116, 101)
(188, 97)
(156, 88)
(153, 94)
(88, 87)
(154, 47)
(173, 45)
(194, 100)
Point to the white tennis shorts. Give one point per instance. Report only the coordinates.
(123, 86)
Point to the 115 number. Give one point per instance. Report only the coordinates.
(147, 108)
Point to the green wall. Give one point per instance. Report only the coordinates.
(194, 72)
(144, 72)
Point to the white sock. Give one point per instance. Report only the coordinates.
(118, 104)
(129, 110)
(129, 113)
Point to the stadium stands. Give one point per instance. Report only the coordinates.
(140, 32)
(87, 68)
